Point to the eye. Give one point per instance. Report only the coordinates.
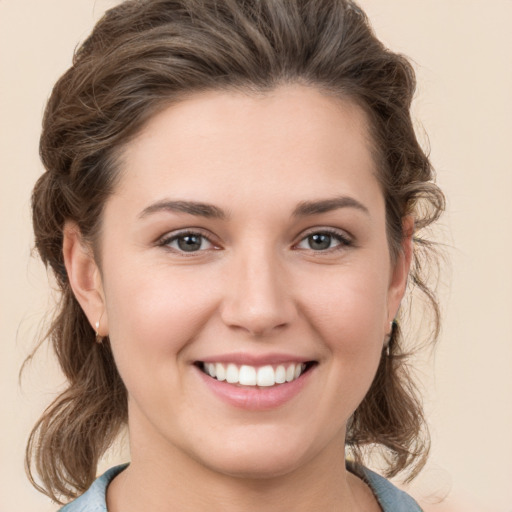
(187, 242)
(324, 240)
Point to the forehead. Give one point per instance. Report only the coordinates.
(289, 140)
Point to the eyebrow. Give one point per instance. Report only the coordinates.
(191, 207)
(303, 209)
(306, 208)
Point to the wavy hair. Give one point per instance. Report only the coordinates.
(146, 54)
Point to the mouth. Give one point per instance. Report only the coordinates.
(255, 376)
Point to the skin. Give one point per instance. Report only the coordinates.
(256, 287)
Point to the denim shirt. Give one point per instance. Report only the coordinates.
(389, 497)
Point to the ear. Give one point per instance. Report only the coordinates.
(84, 277)
(400, 270)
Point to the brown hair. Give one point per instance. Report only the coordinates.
(144, 54)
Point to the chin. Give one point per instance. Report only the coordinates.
(257, 457)
(258, 466)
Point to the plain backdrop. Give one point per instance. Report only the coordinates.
(462, 50)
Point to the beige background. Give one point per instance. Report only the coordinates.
(463, 53)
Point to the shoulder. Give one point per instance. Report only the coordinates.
(390, 498)
(94, 499)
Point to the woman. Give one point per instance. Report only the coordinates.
(231, 195)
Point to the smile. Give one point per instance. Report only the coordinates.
(246, 375)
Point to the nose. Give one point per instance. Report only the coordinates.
(258, 299)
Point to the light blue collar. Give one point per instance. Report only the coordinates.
(95, 498)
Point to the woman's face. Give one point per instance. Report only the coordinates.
(247, 238)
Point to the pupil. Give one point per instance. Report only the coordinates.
(189, 243)
(320, 241)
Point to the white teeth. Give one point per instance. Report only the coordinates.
(220, 372)
(266, 376)
(245, 375)
(232, 374)
(280, 374)
(210, 367)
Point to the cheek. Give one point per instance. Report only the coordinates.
(348, 316)
(350, 308)
(153, 317)
(155, 313)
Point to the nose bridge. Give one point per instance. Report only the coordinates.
(257, 300)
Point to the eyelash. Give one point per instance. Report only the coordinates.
(167, 240)
(343, 239)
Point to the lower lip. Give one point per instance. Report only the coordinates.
(255, 398)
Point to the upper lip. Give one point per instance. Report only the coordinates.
(241, 358)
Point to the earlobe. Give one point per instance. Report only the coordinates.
(84, 277)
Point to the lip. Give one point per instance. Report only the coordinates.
(240, 358)
(253, 398)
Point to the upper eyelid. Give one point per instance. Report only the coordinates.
(328, 230)
(324, 229)
(185, 231)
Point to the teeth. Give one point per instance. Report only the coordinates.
(232, 374)
(290, 373)
(266, 376)
(245, 375)
(220, 372)
(280, 374)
